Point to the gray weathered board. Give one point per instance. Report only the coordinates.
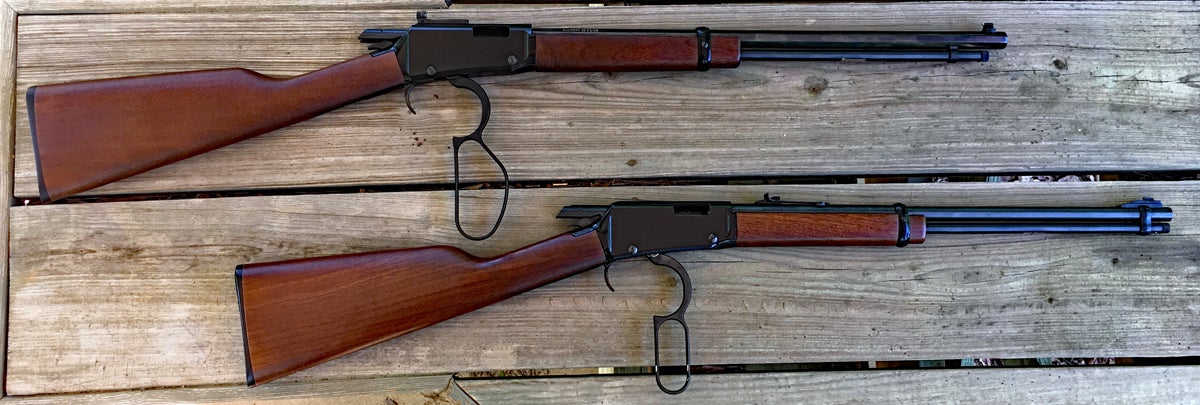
(116, 297)
(1092, 86)
(433, 389)
(988, 385)
(8, 53)
(1029, 386)
(193, 6)
(130, 295)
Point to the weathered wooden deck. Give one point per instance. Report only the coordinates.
(109, 299)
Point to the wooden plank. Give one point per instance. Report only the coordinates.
(130, 295)
(159, 6)
(1069, 94)
(398, 390)
(8, 50)
(1142, 385)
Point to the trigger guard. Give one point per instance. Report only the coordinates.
(485, 103)
(671, 263)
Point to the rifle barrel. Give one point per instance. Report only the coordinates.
(944, 46)
(873, 46)
(878, 56)
(936, 227)
(935, 214)
(1139, 217)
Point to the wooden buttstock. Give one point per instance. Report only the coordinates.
(595, 52)
(298, 313)
(87, 134)
(795, 229)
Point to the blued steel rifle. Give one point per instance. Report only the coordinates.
(298, 313)
(87, 134)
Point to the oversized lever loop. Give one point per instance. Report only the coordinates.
(677, 316)
(476, 136)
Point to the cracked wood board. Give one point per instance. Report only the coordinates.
(121, 296)
(159, 6)
(1143, 385)
(436, 389)
(1069, 94)
(8, 29)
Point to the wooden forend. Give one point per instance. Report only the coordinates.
(588, 52)
(790, 229)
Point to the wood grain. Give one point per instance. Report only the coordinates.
(764, 229)
(130, 295)
(8, 50)
(299, 313)
(158, 6)
(94, 132)
(588, 52)
(408, 390)
(1069, 94)
(1143, 385)
(117, 296)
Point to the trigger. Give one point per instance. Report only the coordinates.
(407, 101)
(606, 282)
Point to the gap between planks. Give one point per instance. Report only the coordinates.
(8, 56)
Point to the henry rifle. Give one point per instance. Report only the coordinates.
(298, 313)
(87, 134)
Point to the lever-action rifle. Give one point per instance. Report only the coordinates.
(87, 134)
(299, 313)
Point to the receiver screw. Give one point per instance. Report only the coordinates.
(512, 59)
(712, 238)
(633, 249)
(431, 70)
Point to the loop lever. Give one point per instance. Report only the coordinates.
(476, 136)
(677, 316)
